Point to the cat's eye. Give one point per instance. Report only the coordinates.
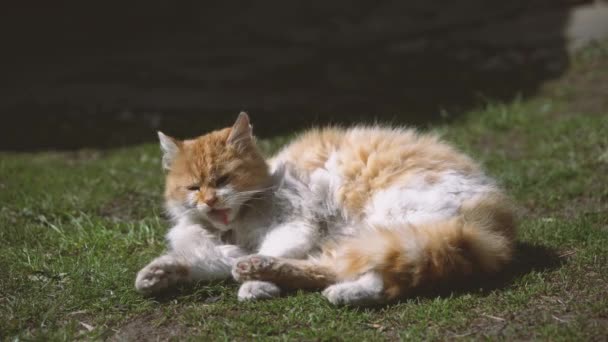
(193, 188)
(222, 180)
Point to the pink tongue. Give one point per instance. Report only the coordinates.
(224, 215)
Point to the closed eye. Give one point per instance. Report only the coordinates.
(222, 180)
(193, 188)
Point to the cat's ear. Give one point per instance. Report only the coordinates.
(241, 134)
(170, 148)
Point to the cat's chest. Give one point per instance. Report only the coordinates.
(250, 231)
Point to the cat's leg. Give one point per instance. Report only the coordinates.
(385, 264)
(290, 240)
(265, 277)
(286, 273)
(256, 289)
(194, 256)
(368, 289)
(163, 272)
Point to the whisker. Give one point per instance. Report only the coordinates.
(248, 194)
(256, 190)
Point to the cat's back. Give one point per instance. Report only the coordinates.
(371, 149)
(365, 161)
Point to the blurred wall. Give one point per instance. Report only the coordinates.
(107, 74)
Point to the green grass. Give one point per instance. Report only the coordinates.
(76, 227)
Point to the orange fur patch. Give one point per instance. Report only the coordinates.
(480, 239)
(373, 159)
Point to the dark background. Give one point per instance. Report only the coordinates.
(108, 74)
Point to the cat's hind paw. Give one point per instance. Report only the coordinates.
(256, 290)
(367, 290)
(252, 267)
(161, 273)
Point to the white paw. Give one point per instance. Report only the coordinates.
(353, 293)
(251, 267)
(337, 294)
(252, 290)
(161, 273)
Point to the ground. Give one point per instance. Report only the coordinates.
(76, 226)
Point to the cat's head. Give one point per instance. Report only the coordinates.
(212, 176)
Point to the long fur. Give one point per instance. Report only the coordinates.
(478, 239)
(366, 213)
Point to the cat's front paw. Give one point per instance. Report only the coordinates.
(256, 290)
(161, 273)
(252, 267)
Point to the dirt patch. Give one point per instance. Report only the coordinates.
(149, 327)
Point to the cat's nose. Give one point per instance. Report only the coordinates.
(210, 200)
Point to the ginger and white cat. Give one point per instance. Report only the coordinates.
(366, 214)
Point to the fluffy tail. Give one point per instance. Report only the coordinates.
(480, 239)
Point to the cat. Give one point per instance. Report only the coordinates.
(367, 214)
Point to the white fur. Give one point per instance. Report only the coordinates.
(365, 290)
(292, 240)
(255, 289)
(209, 260)
(419, 201)
(191, 247)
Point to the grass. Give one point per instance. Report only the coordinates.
(75, 227)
